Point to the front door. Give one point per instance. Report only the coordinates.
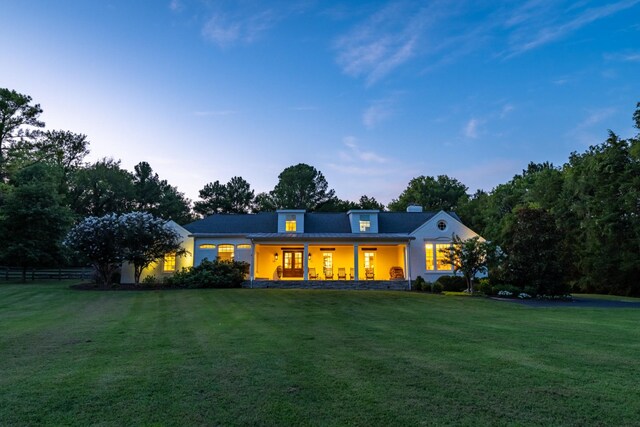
(292, 263)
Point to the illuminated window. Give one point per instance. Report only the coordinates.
(169, 263)
(365, 223)
(428, 248)
(225, 252)
(441, 251)
(290, 223)
(244, 246)
(207, 246)
(327, 261)
(369, 258)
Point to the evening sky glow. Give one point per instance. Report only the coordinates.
(371, 93)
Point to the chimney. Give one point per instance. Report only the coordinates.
(414, 208)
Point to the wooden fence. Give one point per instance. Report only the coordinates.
(13, 273)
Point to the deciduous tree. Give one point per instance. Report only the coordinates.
(146, 239)
(101, 188)
(533, 250)
(468, 257)
(433, 194)
(17, 115)
(33, 220)
(301, 187)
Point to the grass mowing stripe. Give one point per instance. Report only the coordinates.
(273, 357)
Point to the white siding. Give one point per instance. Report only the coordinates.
(156, 269)
(429, 233)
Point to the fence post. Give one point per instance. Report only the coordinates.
(59, 274)
(33, 274)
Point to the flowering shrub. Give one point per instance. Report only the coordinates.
(504, 294)
(147, 239)
(524, 295)
(136, 237)
(99, 240)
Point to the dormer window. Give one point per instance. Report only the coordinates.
(290, 223)
(365, 223)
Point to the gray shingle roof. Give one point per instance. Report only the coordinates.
(314, 223)
(402, 222)
(326, 223)
(264, 222)
(331, 236)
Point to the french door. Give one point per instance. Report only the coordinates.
(292, 263)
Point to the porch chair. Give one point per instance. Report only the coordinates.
(368, 274)
(351, 274)
(342, 274)
(396, 273)
(328, 273)
(312, 274)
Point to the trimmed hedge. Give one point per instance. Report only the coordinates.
(452, 283)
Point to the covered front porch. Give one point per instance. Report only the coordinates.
(290, 259)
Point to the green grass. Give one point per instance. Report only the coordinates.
(282, 357)
(608, 297)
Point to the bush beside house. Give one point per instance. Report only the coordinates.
(211, 274)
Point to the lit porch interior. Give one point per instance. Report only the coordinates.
(299, 261)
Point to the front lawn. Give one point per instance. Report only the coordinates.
(282, 357)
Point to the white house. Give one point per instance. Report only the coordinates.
(297, 245)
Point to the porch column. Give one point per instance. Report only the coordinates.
(305, 261)
(252, 268)
(356, 276)
(409, 264)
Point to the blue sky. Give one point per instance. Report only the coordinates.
(371, 93)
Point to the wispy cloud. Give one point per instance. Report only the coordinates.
(231, 22)
(355, 153)
(305, 108)
(623, 56)
(476, 126)
(506, 110)
(471, 128)
(586, 132)
(214, 113)
(175, 5)
(384, 41)
(225, 30)
(537, 23)
(377, 112)
(442, 32)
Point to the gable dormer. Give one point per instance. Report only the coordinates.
(291, 221)
(363, 221)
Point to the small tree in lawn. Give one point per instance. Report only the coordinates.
(468, 257)
(147, 239)
(99, 239)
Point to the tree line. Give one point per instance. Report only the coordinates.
(577, 224)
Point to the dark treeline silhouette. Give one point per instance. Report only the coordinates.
(583, 217)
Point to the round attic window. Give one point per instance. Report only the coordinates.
(442, 225)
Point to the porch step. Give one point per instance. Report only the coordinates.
(394, 285)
